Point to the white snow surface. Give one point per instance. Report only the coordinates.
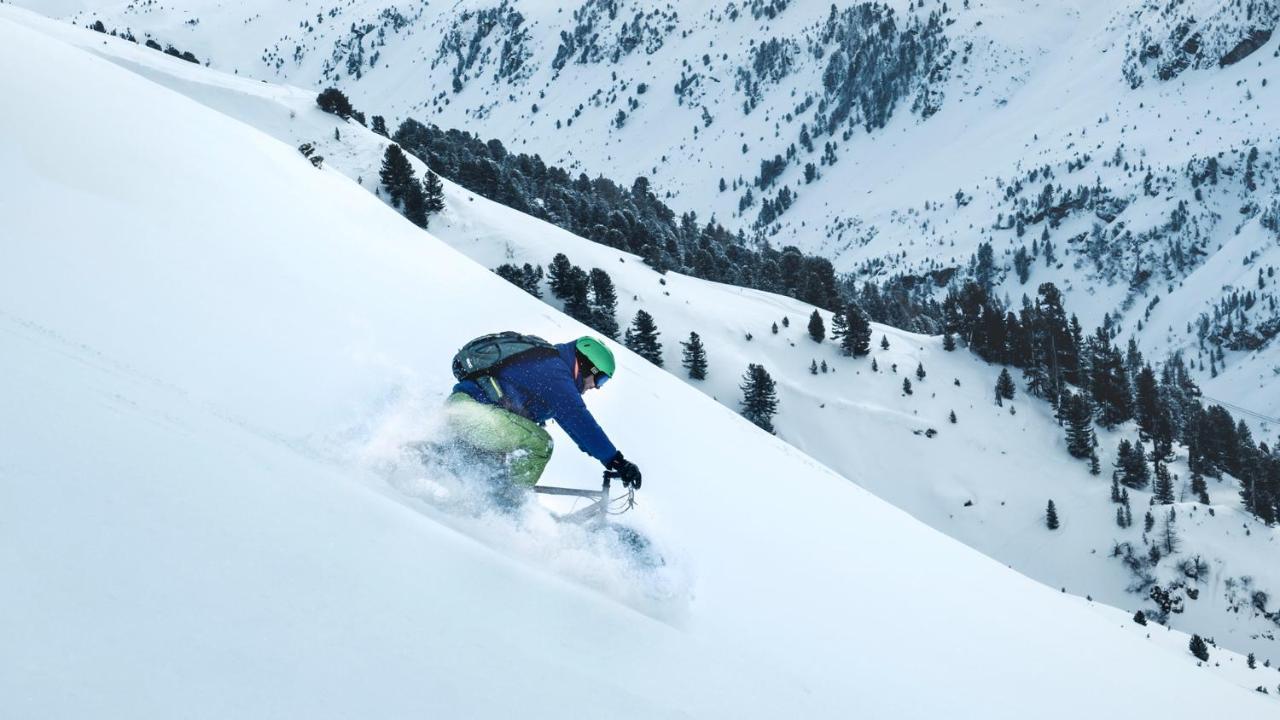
(985, 480)
(209, 345)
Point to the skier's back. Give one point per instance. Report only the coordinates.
(500, 410)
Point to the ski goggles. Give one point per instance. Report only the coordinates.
(600, 378)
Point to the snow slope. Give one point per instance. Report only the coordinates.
(985, 480)
(198, 325)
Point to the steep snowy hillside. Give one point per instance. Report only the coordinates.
(985, 479)
(198, 325)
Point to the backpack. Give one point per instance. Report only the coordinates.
(488, 353)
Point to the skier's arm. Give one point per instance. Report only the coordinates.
(572, 415)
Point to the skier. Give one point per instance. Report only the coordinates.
(511, 384)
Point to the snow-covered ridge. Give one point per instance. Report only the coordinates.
(180, 352)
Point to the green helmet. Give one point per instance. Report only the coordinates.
(600, 356)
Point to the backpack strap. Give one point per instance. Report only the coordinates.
(492, 390)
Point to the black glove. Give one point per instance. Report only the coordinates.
(626, 470)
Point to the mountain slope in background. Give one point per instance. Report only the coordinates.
(191, 348)
(1129, 149)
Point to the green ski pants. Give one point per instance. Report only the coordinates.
(524, 445)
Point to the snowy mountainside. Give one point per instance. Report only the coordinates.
(891, 137)
(984, 480)
(190, 354)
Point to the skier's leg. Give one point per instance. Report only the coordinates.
(526, 446)
(533, 453)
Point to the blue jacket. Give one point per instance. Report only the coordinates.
(542, 387)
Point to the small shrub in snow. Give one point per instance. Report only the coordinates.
(335, 102)
(1199, 648)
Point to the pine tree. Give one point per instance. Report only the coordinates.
(1051, 516)
(642, 338)
(823, 366)
(1131, 465)
(396, 173)
(1140, 618)
(694, 357)
(1162, 492)
(531, 280)
(884, 342)
(1148, 522)
(906, 386)
(786, 321)
(817, 329)
(432, 193)
(1095, 467)
(948, 341)
(983, 267)
(813, 367)
(1199, 648)
(775, 328)
(415, 203)
(1055, 358)
(1169, 537)
(1079, 426)
(604, 304)
(1108, 381)
(920, 373)
(759, 397)
(334, 101)
(1004, 386)
(1147, 394)
(557, 272)
(577, 300)
(839, 325)
(857, 337)
(875, 367)
(379, 125)
(1251, 661)
(952, 417)
(1199, 488)
(1120, 517)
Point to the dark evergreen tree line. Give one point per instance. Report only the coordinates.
(169, 49)
(527, 278)
(628, 218)
(418, 200)
(588, 297)
(1093, 380)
